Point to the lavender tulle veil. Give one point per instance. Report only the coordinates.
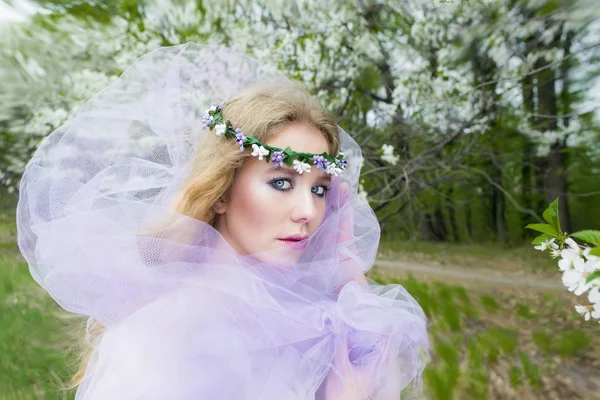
(186, 317)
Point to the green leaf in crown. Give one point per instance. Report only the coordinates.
(301, 162)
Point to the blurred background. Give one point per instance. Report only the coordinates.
(473, 116)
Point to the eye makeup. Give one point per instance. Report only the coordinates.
(279, 183)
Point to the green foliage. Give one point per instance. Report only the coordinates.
(588, 236)
(595, 252)
(573, 342)
(466, 147)
(489, 303)
(34, 358)
(524, 311)
(531, 371)
(552, 231)
(568, 343)
(543, 339)
(466, 345)
(542, 238)
(514, 376)
(551, 216)
(478, 380)
(545, 228)
(443, 378)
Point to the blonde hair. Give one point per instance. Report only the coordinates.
(262, 110)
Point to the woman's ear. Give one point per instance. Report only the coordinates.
(220, 206)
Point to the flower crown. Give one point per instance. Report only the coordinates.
(213, 119)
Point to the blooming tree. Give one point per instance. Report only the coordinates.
(431, 90)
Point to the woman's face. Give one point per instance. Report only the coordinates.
(273, 208)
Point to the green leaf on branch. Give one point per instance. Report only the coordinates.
(595, 252)
(541, 239)
(592, 277)
(544, 228)
(588, 236)
(551, 215)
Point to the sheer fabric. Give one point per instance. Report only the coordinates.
(187, 317)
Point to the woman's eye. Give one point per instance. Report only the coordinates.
(281, 184)
(319, 190)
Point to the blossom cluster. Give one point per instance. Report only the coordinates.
(213, 119)
(387, 154)
(577, 265)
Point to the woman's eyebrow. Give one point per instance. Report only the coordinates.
(282, 168)
(326, 178)
(291, 171)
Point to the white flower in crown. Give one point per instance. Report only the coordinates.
(220, 129)
(334, 169)
(208, 110)
(259, 151)
(300, 166)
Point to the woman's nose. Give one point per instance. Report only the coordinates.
(304, 207)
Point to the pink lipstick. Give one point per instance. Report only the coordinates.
(295, 241)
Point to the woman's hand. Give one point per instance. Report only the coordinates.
(344, 381)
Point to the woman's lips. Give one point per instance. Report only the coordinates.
(295, 242)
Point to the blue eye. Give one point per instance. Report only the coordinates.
(320, 190)
(281, 184)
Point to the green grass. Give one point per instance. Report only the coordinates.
(33, 337)
(475, 332)
(491, 256)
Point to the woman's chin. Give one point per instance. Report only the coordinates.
(282, 256)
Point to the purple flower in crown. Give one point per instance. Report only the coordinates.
(277, 159)
(240, 138)
(341, 163)
(321, 163)
(206, 120)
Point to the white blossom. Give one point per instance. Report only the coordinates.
(569, 257)
(594, 295)
(333, 169)
(596, 312)
(584, 310)
(220, 130)
(300, 166)
(259, 151)
(362, 194)
(546, 245)
(575, 277)
(388, 154)
(573, 245)
(588, 256)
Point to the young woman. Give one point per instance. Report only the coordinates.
(218, 254)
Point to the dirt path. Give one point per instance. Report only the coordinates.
(470, 276)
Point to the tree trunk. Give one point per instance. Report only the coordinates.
(452, 225)
(499, 206)
(527, 193)
(553, 166)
